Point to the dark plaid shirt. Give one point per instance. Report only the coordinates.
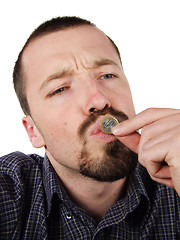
(34, 205)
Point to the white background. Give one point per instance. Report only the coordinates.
(147, 33)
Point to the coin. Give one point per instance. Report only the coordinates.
(107, 123)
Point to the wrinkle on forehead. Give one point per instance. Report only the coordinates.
(61, 52)
(94, 63)
(97, 63)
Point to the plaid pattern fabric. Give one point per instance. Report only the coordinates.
(35, 206)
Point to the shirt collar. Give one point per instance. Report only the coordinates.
(141, 189)
(140, 184)
(52, 184)
(137, 201)
(137, 186)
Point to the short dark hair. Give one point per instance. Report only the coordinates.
(53, 25)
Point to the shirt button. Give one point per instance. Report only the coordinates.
(68, 215)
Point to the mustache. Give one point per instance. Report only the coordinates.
(121, 116)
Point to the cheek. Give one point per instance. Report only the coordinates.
(62, 131)
(62, 140)
(122, 101)
(65, 124)
(59, 131)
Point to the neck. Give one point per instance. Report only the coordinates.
(95, 197)
(92, 196)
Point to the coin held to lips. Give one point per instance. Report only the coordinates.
(107, 123)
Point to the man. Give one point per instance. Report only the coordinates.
(89, 185)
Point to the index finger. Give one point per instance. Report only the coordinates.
(141, 120)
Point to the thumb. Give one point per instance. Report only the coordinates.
(131, 141)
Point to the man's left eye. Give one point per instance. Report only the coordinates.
(108, 76)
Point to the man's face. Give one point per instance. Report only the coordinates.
(73, 77)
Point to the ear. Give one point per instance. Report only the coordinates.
(33, 133)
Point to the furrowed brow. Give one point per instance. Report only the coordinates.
(55, 76)
(104, 61)
(65, 72)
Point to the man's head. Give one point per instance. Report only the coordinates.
(72, 76)
(53, 25)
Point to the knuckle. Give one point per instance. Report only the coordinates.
(178, 135)
(178, 128)
(176, 139)
(151, 110)
(145, 131)
(143, 158)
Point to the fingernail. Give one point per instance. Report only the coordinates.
(115, 130)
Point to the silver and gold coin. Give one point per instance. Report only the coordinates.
(107, 123)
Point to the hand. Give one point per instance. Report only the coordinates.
(158, 146)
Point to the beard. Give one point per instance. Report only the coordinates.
(116, 161)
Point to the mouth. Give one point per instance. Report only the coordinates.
(97, 134)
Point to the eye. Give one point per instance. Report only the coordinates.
(58, 91)
(107, 76)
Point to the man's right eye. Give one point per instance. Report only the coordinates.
(58, 91)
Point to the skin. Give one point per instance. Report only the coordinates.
(85, 86)
(158, 143)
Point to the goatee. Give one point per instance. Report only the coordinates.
(117, 160)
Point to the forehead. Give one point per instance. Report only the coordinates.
(64, 49)
(72, 41)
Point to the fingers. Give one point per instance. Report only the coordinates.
(166, 181)
(142, 119)
(153, 158)
(152, 131)
(131, 141)
(162, 136)
(158, 143)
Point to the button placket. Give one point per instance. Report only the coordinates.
(68, 215)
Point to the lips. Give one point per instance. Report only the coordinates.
(98, 135)
(96, 127)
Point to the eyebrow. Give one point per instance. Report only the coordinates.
(65, 72)
(55, 76)
(104, 61)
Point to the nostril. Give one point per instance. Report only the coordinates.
(95, 110)
(92, 110)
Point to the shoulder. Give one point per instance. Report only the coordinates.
(16, 159)
(20, 183)
(16, 166)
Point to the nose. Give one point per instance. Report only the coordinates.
(95, 100)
